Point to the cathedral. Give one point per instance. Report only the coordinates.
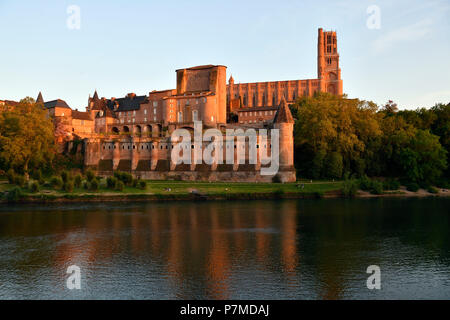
(133, 133)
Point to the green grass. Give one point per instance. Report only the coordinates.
(161, 188)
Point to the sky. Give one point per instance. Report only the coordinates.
(389, 50)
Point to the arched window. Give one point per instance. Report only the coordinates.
(194, 115)
(180, 116)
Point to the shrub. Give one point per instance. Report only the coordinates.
(65, 176)
(349, 188)
(90, 175)
(432, 190)
(86, 185)
(135, 183)
(443, 183)
(56, 182)
(377, 187)
(14, 194)
(142, 184)
(20, 180)
(276, 178)
(94, 185)
(365, 183)
(77, 180)
(33, 186)
(424, 185)
(127, 178)
(111, 182)
(119, 185)
(412, 186)
(391, 184)
(68, 186)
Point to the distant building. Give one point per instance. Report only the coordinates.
(72, 123)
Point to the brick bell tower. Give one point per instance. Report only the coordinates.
(328, 70)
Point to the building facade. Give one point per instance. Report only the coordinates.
(133, 133)
(254, 97)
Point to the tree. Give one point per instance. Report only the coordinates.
(423, 159)
(328, 124)
(26, 136)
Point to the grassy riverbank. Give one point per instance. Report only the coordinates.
(186, 190)
(182, 190)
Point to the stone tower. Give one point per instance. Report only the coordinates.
(328, 70)
(285, 123)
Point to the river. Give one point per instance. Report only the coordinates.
(287, 249)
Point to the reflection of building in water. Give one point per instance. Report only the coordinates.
(192, 243)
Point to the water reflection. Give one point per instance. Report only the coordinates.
(227, 250)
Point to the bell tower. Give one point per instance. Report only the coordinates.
(329, 72)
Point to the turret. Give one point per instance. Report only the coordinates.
(285, 123)
(40, 99)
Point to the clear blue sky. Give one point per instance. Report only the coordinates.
(135, 46)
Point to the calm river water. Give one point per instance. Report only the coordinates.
(305, 249)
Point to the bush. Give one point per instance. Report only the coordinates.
(20, 180)
(86, 185)
(14, 194)
(142, 184)
(111, 182)
(94, 185)
(365, 183)
(412, 186)
(65, 175)
(68, 186)
(119, 185)
(377, 187)
(432, 190)
(77, 180)
(391, 184)
(135, 183)
(33, 186)
(56, 182)
(443, 183)
(276, 179)
(349, 188)
(125, 177)
(11, 175)
(90, 175)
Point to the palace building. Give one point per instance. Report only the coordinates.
(133, 133)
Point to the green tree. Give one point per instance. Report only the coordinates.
(26, 136)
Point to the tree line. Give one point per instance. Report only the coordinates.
(336, 137)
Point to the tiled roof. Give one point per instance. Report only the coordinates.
(127, 103)
(10, 102)
(80, 115)
(56, 103)
(256, 109)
